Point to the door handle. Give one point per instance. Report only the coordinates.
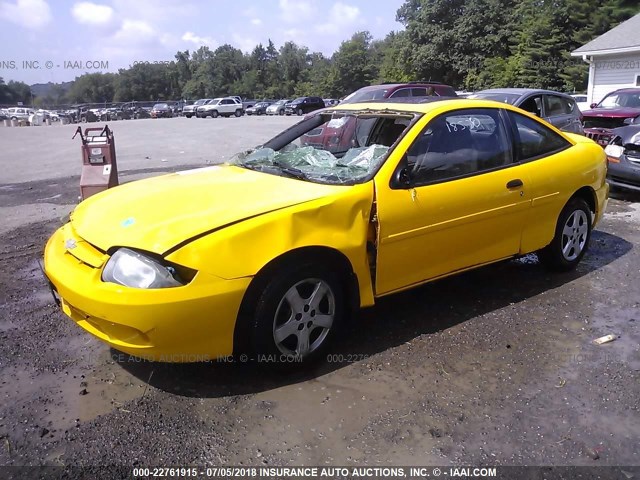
(515, 183)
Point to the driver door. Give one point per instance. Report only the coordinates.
(456, 200)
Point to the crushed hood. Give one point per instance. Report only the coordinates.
(159, 213)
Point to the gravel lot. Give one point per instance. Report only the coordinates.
(493, 367)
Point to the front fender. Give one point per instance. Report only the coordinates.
(339, 221)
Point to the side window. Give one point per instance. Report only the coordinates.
(533, 105)
(555, 106)
(457, 144)
(419, 92)
(569, 105)
(403, 92)
(533, 139)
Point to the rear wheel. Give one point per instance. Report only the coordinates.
(571, 239)
(298, 313)
(299, 112)
(281, 112)
(214, 114)
(238, 113)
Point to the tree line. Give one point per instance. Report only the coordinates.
(469, 44)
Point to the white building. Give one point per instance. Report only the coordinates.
(613, 58)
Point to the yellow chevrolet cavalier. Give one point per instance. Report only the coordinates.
(270, 253)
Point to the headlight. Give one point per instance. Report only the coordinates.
(614, 151)
(137, 270)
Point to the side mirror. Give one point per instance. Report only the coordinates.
(593, 105)
(403, 177)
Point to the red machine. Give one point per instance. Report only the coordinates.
(99, 168)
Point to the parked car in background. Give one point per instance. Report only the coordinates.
(19, 113)
(581, 101)
(259, 108)
(286, 241)
(399, 90)
(303, 105)
(616, 109)
(4, 114)
(176, 108)
(82, 114)
(623, 158)
(278, 107)
(224, 107)
(190, 110)
(161, 110)
(559, 109)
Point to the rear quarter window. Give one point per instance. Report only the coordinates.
(533, 140)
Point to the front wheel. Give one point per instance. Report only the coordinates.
(299, 112)
(214, 114)
(281, 112)
(238, 113)
(571, 239)
(298, 313)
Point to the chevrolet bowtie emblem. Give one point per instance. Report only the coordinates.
(70, 243)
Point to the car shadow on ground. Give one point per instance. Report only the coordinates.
(624, 195)
(394, 320)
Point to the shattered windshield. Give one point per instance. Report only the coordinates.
(333, 147)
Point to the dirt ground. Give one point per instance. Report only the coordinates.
(492, 367)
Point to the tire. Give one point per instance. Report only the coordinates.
(299, 112)
(287, 323)
(571, 239)
(281, 112)
(188, 116)
(238, 113)
(83, 119)
(214, 114)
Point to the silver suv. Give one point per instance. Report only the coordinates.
(19, 113)
(225, 107)
(190, 110)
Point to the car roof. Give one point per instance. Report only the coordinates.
(630, 90)
(421, 105)
(389, 86)
(521, 91)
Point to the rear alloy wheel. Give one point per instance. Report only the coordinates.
(299, 112)
(571, 239)
(298, 314)
(214, 114)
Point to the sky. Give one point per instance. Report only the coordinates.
(56, 40)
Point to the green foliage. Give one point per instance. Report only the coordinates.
(479, 44)
(14, 92)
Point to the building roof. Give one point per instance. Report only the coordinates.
(621, 39)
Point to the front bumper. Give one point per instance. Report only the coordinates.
(183, 324)
(624, 172)
(601, 136)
